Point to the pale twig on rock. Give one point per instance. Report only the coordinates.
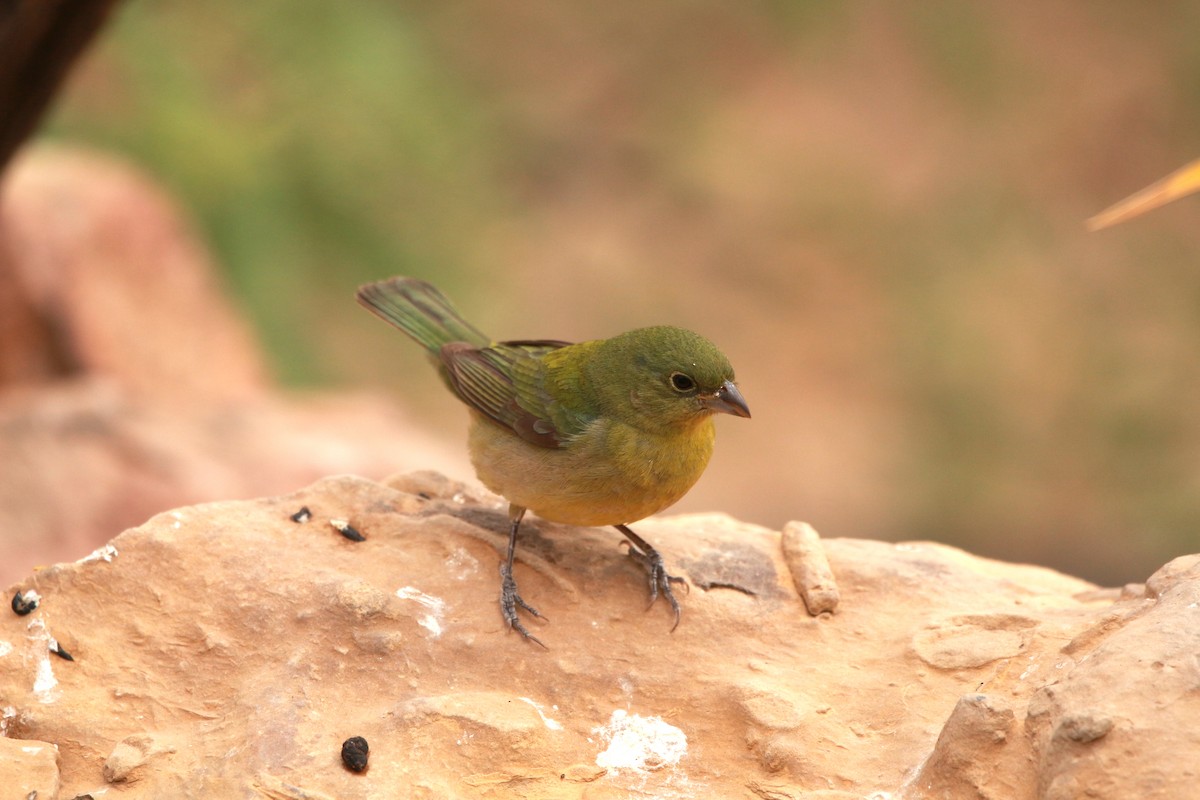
(805, 558)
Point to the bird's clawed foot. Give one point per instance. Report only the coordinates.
(656, 571)
(510, 601)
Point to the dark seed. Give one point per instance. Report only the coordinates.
(24, 604)
(354, 753)
(303, 515)
(347, 530)
(58, 650)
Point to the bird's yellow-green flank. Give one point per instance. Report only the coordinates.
(612, 473)
(604, 432)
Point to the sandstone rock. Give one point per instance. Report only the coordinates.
(86, 459)
(978, 754)
(28, 351)
(122, 285)
(131, 753)
(27, 769)
(1128, 701)
(264, 643)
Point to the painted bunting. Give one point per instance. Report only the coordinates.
(604, 432)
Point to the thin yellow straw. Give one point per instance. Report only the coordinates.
(1179, 183)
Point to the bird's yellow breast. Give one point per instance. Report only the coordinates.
(610, 474)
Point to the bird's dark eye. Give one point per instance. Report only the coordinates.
(682, 383)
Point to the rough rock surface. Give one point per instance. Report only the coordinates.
(28, 769)
(225, 650)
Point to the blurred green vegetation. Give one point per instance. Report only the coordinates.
(319, 144)
(877, 211)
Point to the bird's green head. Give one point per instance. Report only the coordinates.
(664, 377)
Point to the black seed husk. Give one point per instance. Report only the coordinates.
(354, 753)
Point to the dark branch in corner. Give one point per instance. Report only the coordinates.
(39, 41)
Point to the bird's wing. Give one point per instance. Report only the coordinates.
(505, 382)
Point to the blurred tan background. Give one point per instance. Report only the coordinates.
(877, 211)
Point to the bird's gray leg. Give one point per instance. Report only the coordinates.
(509, 599)
(660, 579)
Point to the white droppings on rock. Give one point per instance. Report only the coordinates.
(552, 724)
(462, 565)
(640, 743)
(105, 553)
(45, 685)
(7, 714)
(436, 606)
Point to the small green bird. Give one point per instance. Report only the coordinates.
(605, 432)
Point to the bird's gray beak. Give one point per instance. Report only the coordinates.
(726, 400)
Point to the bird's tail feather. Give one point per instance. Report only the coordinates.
(421, 311)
